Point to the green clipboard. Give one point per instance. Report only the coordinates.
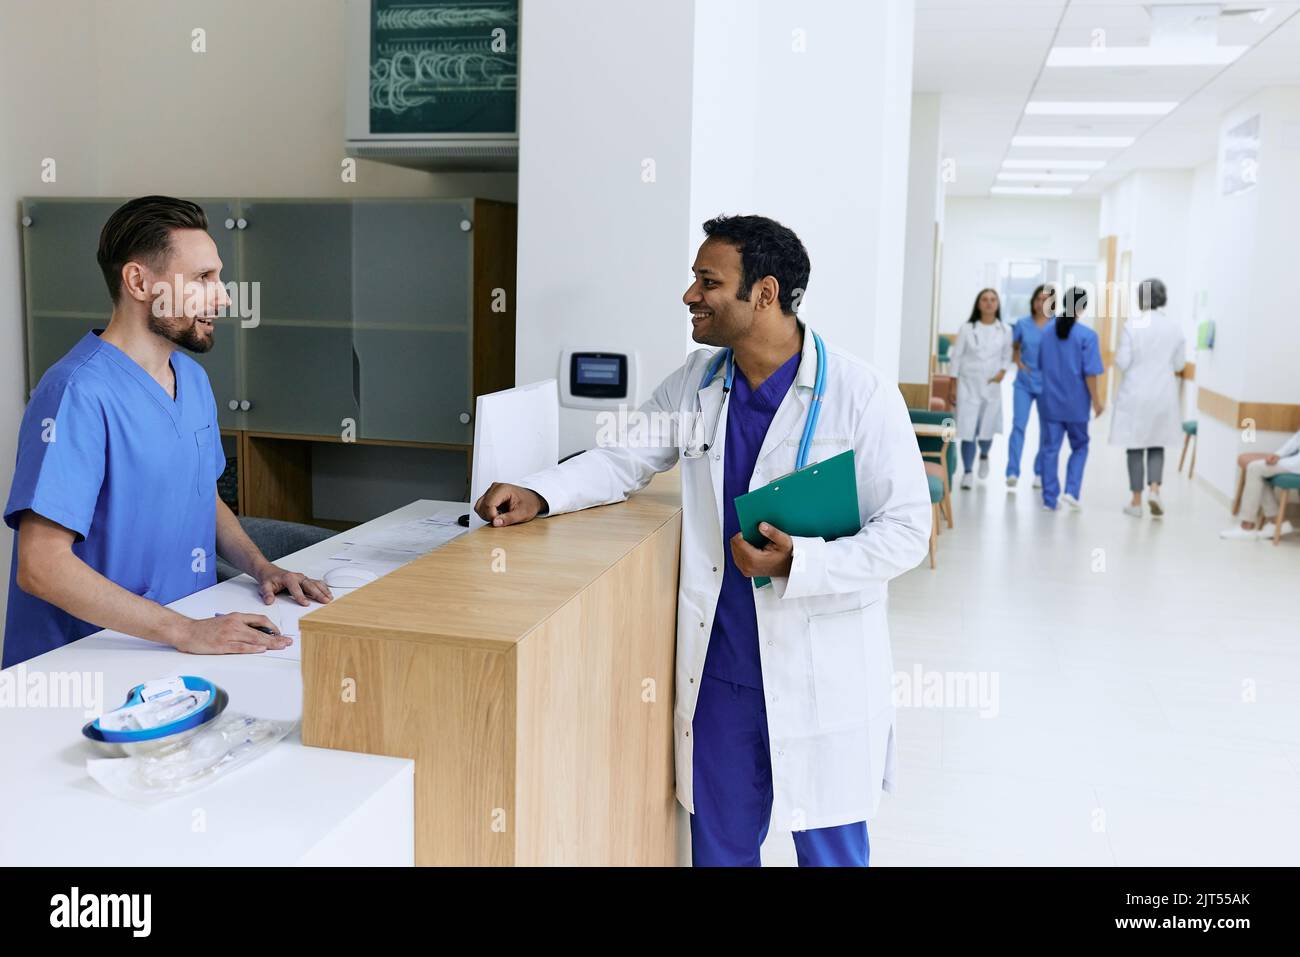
(817, 501)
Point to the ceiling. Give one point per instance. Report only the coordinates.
(988, 60)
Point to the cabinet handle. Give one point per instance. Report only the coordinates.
(245, 405)
(466, 225)
(233, 405)
(464, 418)
(241, 222)
(27, 220)
(230, 223)
(356, 377)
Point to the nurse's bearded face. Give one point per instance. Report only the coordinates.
(188, 319)
(718, 316)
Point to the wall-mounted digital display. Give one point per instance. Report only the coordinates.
(598, 375)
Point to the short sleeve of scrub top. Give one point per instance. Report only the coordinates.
(61, 453)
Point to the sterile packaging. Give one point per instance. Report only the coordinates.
(229, 742)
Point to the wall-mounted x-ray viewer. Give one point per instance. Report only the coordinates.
(597, 380)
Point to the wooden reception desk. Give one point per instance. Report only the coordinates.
(528, 671)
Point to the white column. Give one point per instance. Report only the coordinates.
(924, 217)
(789, 110)
(801, 114)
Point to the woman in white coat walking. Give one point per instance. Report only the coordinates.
(980, 360)
(1152, 354)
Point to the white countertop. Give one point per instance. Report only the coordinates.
(291, 805)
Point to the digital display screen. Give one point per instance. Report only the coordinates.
(592, 371)
(598, 375)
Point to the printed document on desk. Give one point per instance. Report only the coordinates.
(401, 543)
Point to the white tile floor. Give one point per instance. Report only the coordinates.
(1148, 707)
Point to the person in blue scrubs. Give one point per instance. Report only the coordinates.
(1025, 337)
(113, 500)
(732, 763)
(1070, 358)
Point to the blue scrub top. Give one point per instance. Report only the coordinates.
(733, 643)
(1029, 335)
(105, 452)
(1065, 364)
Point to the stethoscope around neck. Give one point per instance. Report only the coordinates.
(727, 356)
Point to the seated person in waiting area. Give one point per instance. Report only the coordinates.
(1257, 493)
(114, 497)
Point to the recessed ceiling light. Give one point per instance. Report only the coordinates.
(1032, 190)
(1053, 164)
(1172, 55)
(1045, 177)
(1079, 142)
(1098, 108)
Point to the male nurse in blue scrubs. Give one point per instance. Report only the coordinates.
(114, 497)
(1025, 337)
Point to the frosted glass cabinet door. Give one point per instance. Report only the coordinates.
(221, 362)
(66, 292)
(411, 280)
(67, 295)
(298, 361)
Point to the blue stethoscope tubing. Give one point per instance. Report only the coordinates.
(814, 410)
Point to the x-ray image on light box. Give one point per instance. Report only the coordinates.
(444, 66)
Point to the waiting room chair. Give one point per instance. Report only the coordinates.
(275, 539)
(1189, 435)
(934, 451)
(1284, 485)
(1244, 459)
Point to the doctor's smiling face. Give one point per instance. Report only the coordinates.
(162, 269)
(718, 315)
(750, 270)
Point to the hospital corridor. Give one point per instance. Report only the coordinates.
(1147, 693)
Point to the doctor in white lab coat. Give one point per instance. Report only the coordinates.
(980, 360)
(811, 749)
(1147, 414)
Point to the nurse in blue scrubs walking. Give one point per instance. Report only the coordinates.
(1071, 361)
(114, 496)
(1025, 337)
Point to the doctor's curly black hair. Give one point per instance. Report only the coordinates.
(766, 249)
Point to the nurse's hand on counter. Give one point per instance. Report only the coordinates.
(272, 579)
(230, 634)
(504, 504)
(772, 560)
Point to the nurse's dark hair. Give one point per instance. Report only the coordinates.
(141, 230)
(1038, 291)
(1152, 294)
(766, 249)
(975, 307)
(1073, 301)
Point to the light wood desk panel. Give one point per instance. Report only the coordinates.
(528, 671)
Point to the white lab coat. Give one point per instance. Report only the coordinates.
(980, 353)
(1147, 411)
(823, 631)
